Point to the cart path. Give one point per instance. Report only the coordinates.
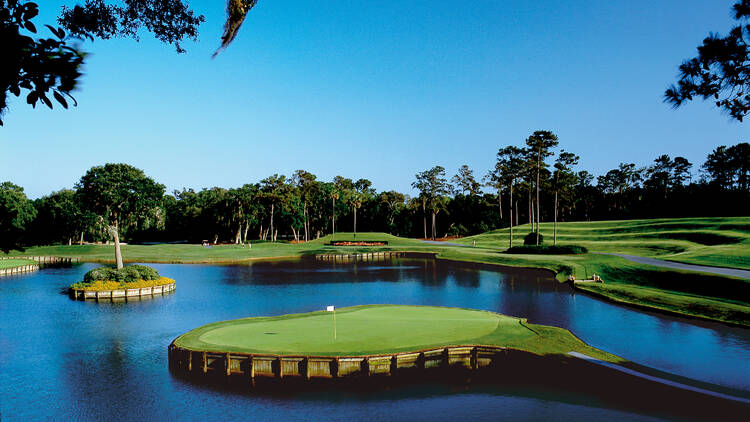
(732, 272)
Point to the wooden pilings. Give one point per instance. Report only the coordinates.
(40, 262)
(20, 269)
(122, 294)
(359, 257)
(226, 365)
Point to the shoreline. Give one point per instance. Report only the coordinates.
(426, 251)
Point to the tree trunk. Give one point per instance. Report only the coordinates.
(531, 209)
(355, 222)
(304, 213)
(244, 235)
(273, 236)
(554, 242)
(500, 202)
(511, 215)
(515, 207)
(333, 220)
(260, 233)
(276, 233)
(238, 235)
(216, 239)
(80, 242)
(118, 253)
(424, 216)
(294, 232)
(434, 227)
(538, 210)
(70, 241)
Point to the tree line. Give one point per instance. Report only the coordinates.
(529, 184)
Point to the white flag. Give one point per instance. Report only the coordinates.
(329, 308)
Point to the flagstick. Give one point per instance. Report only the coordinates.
(334, 325)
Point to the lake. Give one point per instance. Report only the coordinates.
(85, 360)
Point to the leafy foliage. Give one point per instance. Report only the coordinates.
(16, 213)
(236, 13)
(531, 239)
(41, 68)
(126, 274)
(720, 71)
(171, 21)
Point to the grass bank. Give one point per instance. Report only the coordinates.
(13, 263)
(390, 329)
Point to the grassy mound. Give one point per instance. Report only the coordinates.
(548, 250)
(130, 277)
(380, 329)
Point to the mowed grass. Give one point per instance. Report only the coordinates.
(380, 329)
(12, 263)
(720, 242)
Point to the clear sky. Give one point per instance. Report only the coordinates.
(377, 89)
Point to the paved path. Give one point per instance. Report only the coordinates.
(732, 272)
(659, 380)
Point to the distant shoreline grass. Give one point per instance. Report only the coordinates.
(714, 297)
(13, 263)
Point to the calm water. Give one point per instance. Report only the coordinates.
(84, 360)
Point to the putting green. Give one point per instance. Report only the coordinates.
(360, 330)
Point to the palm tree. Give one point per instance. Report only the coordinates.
(509, 166)
(334, 196)
(540, 142)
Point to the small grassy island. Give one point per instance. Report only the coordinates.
(110, 283)
(381, 329)
(369, 340)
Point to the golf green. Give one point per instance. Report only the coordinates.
(361, 330)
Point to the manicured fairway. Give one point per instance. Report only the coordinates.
(375, 329)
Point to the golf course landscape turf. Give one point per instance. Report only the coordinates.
(381, 329)
(710, 241)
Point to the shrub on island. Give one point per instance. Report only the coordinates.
(548, 250)
(129, 277)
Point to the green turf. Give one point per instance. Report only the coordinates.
(715, 241)
(12, 263)
(380, 329)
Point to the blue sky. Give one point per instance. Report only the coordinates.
(377, 89)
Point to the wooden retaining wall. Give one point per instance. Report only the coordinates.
(269, 366)
(19, 270)
(41, 261)
(359, 257)
(121, 294)
(52, 260)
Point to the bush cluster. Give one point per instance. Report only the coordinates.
(128, 274)
(530, 239)
(548, 250)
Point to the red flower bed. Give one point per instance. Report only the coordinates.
(358, 243)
